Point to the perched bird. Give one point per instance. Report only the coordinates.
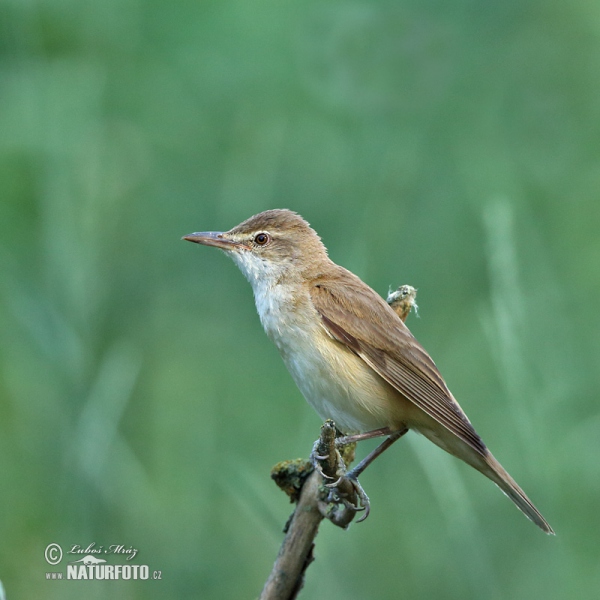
(351, 355)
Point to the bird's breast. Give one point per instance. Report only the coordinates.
(336, 383)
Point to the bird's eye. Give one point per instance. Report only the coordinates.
(261, 239)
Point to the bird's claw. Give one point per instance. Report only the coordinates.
(319, 469)
(335, 483)
(315, 456)
(347, 497)
(365, 503)
(316, 459)
(344, 495)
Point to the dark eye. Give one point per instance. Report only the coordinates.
(261, 239)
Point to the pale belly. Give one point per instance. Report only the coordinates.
(337, 383)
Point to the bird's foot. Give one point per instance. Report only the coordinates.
(316, 459)
(365, 503)
(347, 486)
(345, 497)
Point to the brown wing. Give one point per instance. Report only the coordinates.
(356, 316)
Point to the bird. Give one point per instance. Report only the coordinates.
(350, 354)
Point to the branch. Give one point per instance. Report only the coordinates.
(315, 502)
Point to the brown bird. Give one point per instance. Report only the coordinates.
(352, 357)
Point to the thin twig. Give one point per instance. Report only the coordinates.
(296, 552)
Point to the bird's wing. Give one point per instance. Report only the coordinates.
(354, 315)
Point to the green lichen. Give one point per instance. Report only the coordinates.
(290, 476)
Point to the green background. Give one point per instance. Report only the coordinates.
(454, 146)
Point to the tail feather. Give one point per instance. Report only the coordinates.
(485, 463)
(509, 486)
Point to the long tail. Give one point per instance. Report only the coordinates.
(509, 486)
(485, 463)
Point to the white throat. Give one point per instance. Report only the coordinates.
(271, 294)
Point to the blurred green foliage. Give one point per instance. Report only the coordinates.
(452, 146)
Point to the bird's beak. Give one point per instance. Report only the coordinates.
(212, 238)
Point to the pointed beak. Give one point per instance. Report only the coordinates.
(212, 238)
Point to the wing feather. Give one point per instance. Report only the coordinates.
(373, 331)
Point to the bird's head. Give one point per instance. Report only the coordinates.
(270, 246)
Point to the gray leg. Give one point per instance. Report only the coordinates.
(365, 462)
(359, 437)
(352, 476)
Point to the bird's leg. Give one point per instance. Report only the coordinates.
(352, 476)
(341, 441)
(365, 462)
(359, 437)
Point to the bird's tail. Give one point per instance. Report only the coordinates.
(494, 470)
